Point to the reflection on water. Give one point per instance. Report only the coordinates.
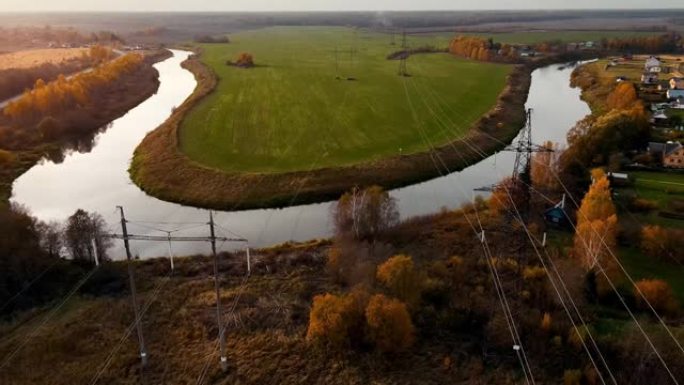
(94, 175)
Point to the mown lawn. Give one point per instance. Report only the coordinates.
(663, 188)
(641, 266)
(291, 113)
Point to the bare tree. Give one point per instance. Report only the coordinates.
(84, 235)
(365, 214)
(51, 238)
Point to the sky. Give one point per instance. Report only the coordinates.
(321, 5)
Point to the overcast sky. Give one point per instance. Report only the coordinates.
(321, 5)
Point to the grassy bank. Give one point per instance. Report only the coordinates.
(289, 132)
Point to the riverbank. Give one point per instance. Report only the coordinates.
(161, 169)
(129, 91)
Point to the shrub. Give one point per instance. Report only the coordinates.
(389, 324)
(337, 320)
(642, 205)
(662, 243)
(658, 293)
(398, 274)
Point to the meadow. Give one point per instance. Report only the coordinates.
(325, 97)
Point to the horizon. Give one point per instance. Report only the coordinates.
(318, 6)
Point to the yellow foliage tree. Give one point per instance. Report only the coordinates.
(334, 319)
(389, 324)
(596, 231)
(624, 96)
(399, 275)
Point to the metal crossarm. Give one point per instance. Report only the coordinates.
(163, 238)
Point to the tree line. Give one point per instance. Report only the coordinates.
(40, 261)
(61, 94)
(481, 49)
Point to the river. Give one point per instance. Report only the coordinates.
(98, 180)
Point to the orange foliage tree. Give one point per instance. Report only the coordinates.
(658, 293)
(596, 232)
(389, 324)
(245, 60)
(507, 196)
(337, 320)
(662, 243)
(400, 276)
(624, 96)
(63, 93)
(472, 47)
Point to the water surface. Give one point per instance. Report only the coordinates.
(98, 180)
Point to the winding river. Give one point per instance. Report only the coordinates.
(98, 180)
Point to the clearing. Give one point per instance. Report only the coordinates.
(290, 113)
(34, 58)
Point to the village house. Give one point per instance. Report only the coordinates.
(671, 154)
(649, 78)
(677, 84)
(678, 103)
(653, 65)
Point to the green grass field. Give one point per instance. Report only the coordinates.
(662, 188)
(290, 113)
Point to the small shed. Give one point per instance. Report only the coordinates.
(556, 216)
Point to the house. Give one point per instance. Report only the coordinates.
(556, 215)
(671, 154)
(674, 94)
(678, 103)
(618, 179)
(677, 84)
(659, 118)
(653, 65)
(649, 78)
(619, 79)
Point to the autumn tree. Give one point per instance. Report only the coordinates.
(659, 242)
(473, 47)
(245, 60)
(365, 214)
(337, 320)
(389, 324)
(545, 168)
(657, 293)
(623, 96)
(399, 275)
(100, 54)
(596, 232)
(510, 196)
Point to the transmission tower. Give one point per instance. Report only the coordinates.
(523, 149)
(393, 41)
(403, 71)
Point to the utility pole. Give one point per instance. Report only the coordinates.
(403, 71)
(131, 276)
(219, 311)
(337, 63)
